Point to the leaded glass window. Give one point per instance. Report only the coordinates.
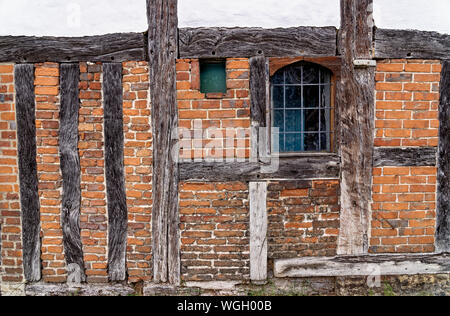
(301, 108)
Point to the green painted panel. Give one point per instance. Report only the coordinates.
(213, 77)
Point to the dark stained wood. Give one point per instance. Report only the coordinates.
(70, 166)
(259, 96)
(114, 170)
(258, 81)
(224, 42)
(318, 167)
(163, 51)
(248, 42)
(443, 192)
(111, 47)
(411, 44)
(405, 157)
(355, 106)
(29, 197)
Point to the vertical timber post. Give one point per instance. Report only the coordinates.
(258, 108)
(355, 99)
(163, 51)
(258, 231)
(26, 146)
(70, 168)
(443, 194)
(258, 190)
(114, 171)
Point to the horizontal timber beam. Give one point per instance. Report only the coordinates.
(368, 265)
(116, 47)
(405, 157)
(220, 43)
(248, 42)
(411, 44)
(320, 167)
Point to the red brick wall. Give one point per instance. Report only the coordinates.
(303, 218)
(11, 269)
(404, 209)
(404, 199)
(138, 168)
(93, 189)
(227, 116)
(214, 231)
(49, 174)
(407, 100)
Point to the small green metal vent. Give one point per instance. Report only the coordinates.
(213, 76)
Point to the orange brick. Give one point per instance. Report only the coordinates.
(48, 72)
(47, 91)
(390, 67)
(381, 86)
(417, 87)
(417, 68)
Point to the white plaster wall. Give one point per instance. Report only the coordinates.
(89, 17)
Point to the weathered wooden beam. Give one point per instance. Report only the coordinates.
(374, 265)
(220, 42)
(259, 98)
(114, 170)
(70, 167)
(411, 44)
(111, 47)
(314, 167)
(258, 231)
(443, 191)
(258, 90)
(248, 42)
(405, 157)
(163, 51)
(26, 145)
(355, 99)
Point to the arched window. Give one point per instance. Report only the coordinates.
(301, 108)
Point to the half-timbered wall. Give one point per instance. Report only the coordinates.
(108, 156)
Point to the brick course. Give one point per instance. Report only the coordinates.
(214, 231)
(404, 199)
(303, 218)
(403, 210)
(11, 269)
(407, 100)
(93, 189)
(138, 169)
(49, 173)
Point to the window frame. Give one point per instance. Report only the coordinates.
(333, 64)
